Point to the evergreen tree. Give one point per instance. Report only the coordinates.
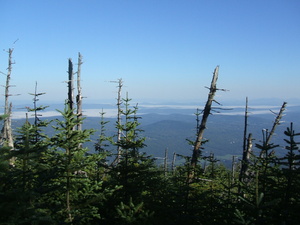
(135, 173)
(290, 184)
(71, 184)
(100, 148)
(26, 174)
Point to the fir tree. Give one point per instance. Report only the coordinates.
(290, 183)
(71, 169)
(135, 173)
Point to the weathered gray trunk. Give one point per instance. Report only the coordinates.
(173, 162)
(119, 119)
(206, 113)
(166, 162)
(246, 159)
(275, 124)
(79, 96)
(245, 126)
(7, 130)
(70, 85)
(7, 138)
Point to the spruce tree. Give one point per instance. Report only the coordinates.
(27, 173)
(71, 174)
(290, 184)
(135, 173)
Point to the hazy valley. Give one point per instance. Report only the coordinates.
(168, 127)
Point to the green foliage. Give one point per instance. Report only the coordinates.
(133, 213)
(56, 181)
(72, 185)
(130, 140)
(290, 172)
(21, 179)
(103, 139)
(256, 210)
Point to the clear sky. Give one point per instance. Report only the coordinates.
(162, 49)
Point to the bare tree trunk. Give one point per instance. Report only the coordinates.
(70, 102)
(35, 99)
(247, 145)
(7, 137)
(119, 119)
(7, 86)
(173, 162)
(166, 162)
(233, 164)
(245, 161)
(275, 124)
(7, 130)
(245, 125)
(70, 85)
(36, 109)
(79, 96)
(206, 112)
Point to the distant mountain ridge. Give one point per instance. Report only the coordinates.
(169, 127)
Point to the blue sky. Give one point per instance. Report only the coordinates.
(164, 50)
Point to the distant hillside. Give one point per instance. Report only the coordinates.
(224, 132)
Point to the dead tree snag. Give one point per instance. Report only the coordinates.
(70, 84)
(7, 138)
(79, 96)
(206, 112)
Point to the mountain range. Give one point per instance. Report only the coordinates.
(168, 127)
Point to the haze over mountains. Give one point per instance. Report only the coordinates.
(169, 125)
